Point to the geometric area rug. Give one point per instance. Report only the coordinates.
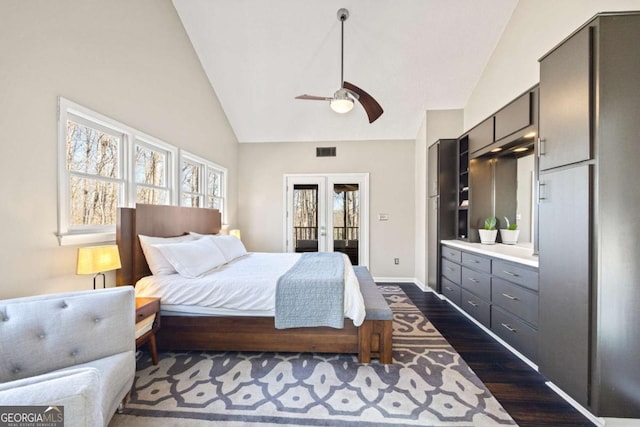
(428, 384)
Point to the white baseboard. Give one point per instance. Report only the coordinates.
(395, 279)
(584, 411)
(621, 422)
(521, 356)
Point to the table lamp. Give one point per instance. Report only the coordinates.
(235, 232)
(98, 259)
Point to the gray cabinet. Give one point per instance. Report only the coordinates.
(509, 307)
(514, 117)
(481, 135)
(589, 242)
(565, 88)
(441, 203)
(564, 279)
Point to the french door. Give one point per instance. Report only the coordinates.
(328, 213)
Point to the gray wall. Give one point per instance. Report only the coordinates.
(129, 60)
(391, 191)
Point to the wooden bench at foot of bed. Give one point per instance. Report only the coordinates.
(371, 340)
(375, 334)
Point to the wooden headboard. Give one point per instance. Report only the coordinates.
(158, 221)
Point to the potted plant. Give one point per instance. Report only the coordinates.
(489, 233)
(509, 235)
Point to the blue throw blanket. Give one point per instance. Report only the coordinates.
(311, 293)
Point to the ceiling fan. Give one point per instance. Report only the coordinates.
(342, 99)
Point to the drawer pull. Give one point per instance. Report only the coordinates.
(511, 297)
(452, 254)
(508, 327)
(473, 280)
(450, 269)
(472, 304)
(510, 273)
(474, 261)
(448, 288)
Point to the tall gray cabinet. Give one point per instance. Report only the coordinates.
(589, 215)
(441, 203)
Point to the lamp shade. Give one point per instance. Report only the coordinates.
(236, 233)
(341, 105)
(96, 259)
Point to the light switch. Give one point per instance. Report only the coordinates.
(383, 217)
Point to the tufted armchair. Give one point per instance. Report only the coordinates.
(75, 350)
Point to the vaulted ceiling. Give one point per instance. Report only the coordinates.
(411, 55)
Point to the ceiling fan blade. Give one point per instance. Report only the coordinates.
(370, 105)
(313, 98)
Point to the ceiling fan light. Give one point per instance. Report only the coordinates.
(342, 105)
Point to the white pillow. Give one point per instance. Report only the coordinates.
(193, 258)
(230, 246)
(157, 262)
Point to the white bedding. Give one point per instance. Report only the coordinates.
(245, 287)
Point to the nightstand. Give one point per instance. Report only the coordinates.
(147, 324)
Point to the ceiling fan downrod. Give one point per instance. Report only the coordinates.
(343, 15)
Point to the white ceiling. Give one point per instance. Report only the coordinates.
(411, 55)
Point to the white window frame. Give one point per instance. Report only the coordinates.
(171, 176)
(206, 166)
(130, 137)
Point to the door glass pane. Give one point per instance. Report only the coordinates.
(346, 220)
(305, 218)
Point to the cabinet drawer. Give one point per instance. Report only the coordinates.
(476, 262)
(516, 273)
(476, 307)
(477, 283)
(515, 332)
(451, 291)
(452, 254)
(515, 299)
(451, 271)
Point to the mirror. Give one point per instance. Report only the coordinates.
(502, 185)
(525, 199)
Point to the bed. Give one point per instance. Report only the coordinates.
(230, 332)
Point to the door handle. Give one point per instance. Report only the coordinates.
(508, 327)
(541, 195)
(541, 147)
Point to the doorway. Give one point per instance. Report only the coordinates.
(328, 213)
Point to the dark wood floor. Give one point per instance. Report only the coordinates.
(520, 389)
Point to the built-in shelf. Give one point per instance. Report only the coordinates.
(462, 214)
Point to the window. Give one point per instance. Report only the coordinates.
(152, 174)
(95, 168)
(202, 183)
(104, 164)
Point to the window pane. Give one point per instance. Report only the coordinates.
(92, 151)
(213, 183)
(214, 203)
(191, 177)
(93, 202)
(152, 196)
(150, 166)
(190, 200)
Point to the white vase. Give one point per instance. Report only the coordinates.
(488, 237)
(509, 237)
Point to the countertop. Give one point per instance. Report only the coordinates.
(513, 253)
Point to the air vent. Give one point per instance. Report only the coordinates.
(325, 151)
